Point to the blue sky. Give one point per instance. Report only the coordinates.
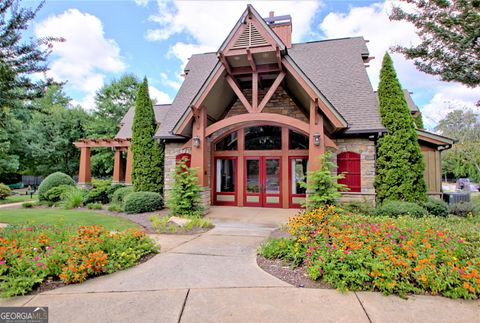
(105, 39)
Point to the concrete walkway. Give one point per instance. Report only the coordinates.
(214, 277)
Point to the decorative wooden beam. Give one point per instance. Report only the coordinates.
(251, 60)
(272, 90)
(225, 63)
(254, 91)
(239, 93)
(315, 149)
(261, 69)
(279, 58)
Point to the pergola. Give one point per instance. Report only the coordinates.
(118, 145)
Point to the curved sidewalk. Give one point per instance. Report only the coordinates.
(213, 277)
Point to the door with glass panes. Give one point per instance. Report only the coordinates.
(263, 181)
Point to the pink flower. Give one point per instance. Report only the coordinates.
(36, 258)
(39, 264)
(3, 262)
(44, 267)
(48, 247)
(460, 241)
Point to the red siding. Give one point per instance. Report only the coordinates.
(349, 164)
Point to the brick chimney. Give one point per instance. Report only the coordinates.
(282, 26)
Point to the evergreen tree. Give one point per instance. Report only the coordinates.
(419, 121)
(147, 168)
(399, 166)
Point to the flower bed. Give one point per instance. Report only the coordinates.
(30, 255)
(394, 256)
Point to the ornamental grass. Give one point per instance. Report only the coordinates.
(395, 256)
(31, 255)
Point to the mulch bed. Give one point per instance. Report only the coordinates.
(57, 283)
(296, 277)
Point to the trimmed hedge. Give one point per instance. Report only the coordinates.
(462, 209)
(139, 202)
(120, 194)
(398, 208)
(436, 207)
(55, 193)
(53, 180)
(5, 191)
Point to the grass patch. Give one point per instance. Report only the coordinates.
(60, 217)
(161, 225)
(17, 199)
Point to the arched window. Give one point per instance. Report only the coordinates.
(228, 143)
(263, 138)
(349, 164)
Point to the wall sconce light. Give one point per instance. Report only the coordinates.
(196, 141)
(316, 139)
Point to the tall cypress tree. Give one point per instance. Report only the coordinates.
(399, 166)
(147, 167)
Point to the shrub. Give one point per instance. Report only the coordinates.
(322, 185)
(29, 255)
(184, 199)
(399, 165)
(462, 209)
(282, 248)
(359, 207)
(115, 208)
(139, 202)
(119, 195)
(94, 206)
(27, 205)
(55, 193)
(395, 209)
(404, 255)
(54, 180)
(5, 191)
(102, 191)
(436, 207)
(73, 198)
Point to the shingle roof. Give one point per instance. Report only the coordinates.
(337, 69)
(334, 66)
(411, 105)
(125, 131)
(199, 68)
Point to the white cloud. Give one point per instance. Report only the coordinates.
(158, 96)
(373, 24)
(171, 83)
(142, 3)
(184, 51)
(85, 56)
(88, 102)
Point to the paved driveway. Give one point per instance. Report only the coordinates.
(214, 277)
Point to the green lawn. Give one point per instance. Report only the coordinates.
(17, 198)
(63, 217)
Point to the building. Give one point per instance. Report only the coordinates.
(255, 116)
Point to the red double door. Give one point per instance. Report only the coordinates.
(263, 181)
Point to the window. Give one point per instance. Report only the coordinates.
(230, 142)
(225, 176)
(349, 164)
(298, 168)
(297, 140)
(263, 138)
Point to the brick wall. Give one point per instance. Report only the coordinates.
(280, 103)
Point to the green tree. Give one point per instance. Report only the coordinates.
(322, 186)
(19, 59)
(184, 196)
(147, 168)
(419, 121)
(449, 31)
(399, 166)
(112, 102)
(53, 129)
(463, 159)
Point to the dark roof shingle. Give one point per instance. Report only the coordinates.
(125, 131)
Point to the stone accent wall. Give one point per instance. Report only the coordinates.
(280, 103)
(366, 149)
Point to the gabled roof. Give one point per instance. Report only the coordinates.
(411, 105)
(125, 131)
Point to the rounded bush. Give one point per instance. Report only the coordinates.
(53, 180)
(55, 193)
(5, 191)
(139, 202)
(119, 195)
(436, 207)
(462, 209)
(395, 209)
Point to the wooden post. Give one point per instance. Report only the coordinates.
(285, 167)
(199, 154)
(316, 128)
(254, 91)
(241, 166)
(128, 171)
(118, 175)
(84, 175)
